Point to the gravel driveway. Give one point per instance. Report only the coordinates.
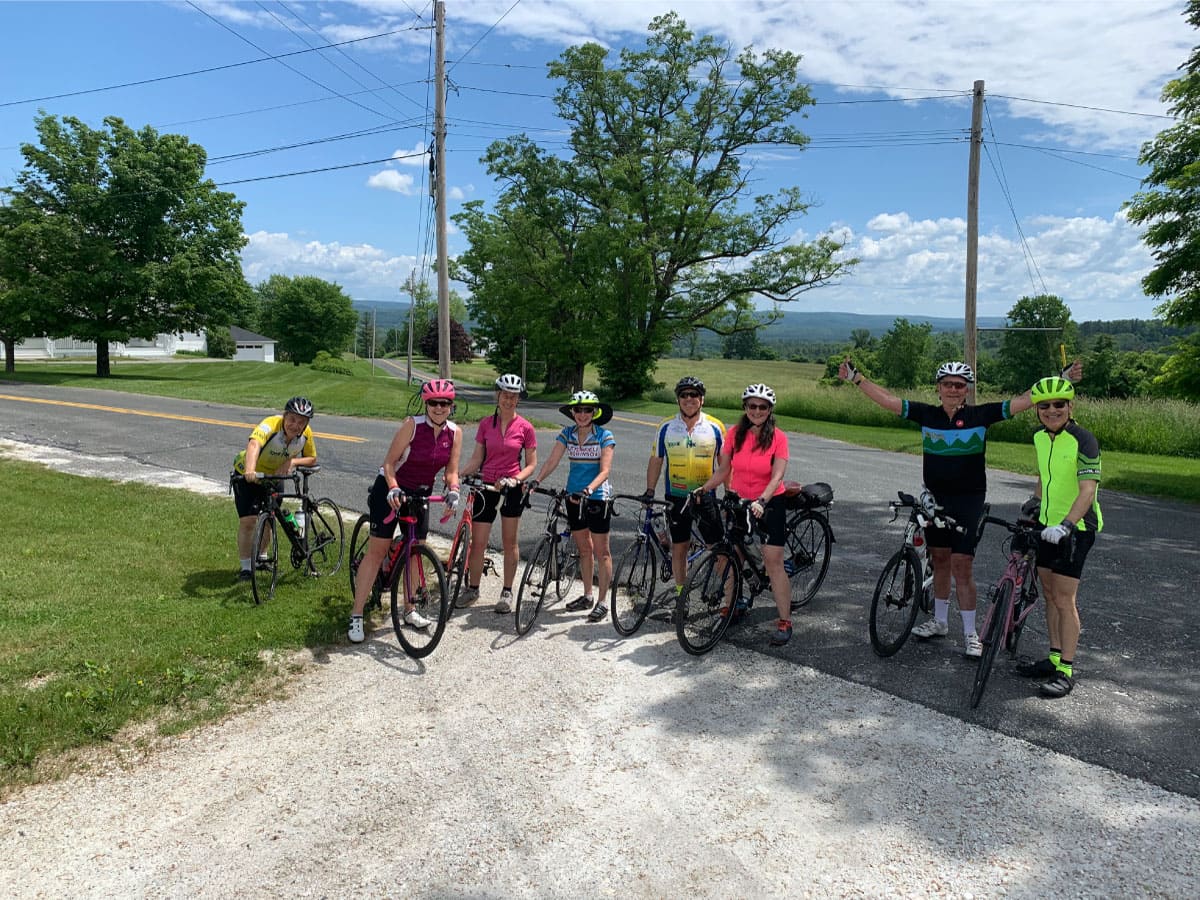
(571, 763)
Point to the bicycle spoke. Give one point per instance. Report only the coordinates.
(420, 605)
(807, 555)
(713, 591)
(633, 587)
(894, 604)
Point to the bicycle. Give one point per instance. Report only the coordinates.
(424, 584)
(460, 546)
(416, 405)
(1006, 615)
(555, 560)
(905, 585)
(712, 596)
(317, 540)
(645, 563)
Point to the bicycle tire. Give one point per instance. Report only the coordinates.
(358, 549)
(425, 590)
(325, 535)
(534, 582)
(895, 602)
(993, 637)
(633, 587)
(699, 623)
(415, 404)
(809, 544)
(1025, 601)
(266, 559)
(456, 570)
(566, 569)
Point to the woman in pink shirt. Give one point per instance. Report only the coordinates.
(754, 458)
(506, 450)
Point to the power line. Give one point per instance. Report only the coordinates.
(485, 34)
(206, 71)
(1059, 154)
(1119, 112)
(997, 165)
(369, 162)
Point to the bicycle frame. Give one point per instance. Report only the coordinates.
(460, 546)
(554, 559)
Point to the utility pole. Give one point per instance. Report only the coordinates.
(439, 156)
(969, 332)
(411, 286)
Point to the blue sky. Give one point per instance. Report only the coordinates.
(1072, 92)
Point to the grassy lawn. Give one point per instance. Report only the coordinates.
(110, 634)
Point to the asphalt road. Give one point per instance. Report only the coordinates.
(1135, 708)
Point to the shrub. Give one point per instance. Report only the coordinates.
(326, 363)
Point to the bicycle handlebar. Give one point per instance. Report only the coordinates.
(938, 518)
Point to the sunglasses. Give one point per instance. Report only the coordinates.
(757, 407)
(439, 403)
(1057, 404)
(956, 385)
(688, 395)
(583, 409)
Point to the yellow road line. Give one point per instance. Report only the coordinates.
(158, 415)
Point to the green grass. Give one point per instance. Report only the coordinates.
(106, 633)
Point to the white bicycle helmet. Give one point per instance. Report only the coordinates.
(511, 383)
(759, 390)
(961, 369)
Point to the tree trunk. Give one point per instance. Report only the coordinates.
(560, 378)
(103, 366)
(10, 354)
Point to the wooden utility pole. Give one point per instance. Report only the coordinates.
(439, 202)
(969, 332)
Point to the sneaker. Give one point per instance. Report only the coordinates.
(579, 604)
(931, 628)
(247, 575)
(1058, 686)
(355, 633)
(467, 596)
(416, 620)
(972, 647)
(504, 604)
(599, 613)
(783, 633)
(1043, 668)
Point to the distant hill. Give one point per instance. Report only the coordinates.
(836, 326)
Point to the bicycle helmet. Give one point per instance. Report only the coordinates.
(1052, 388)
(688, 383)
(961, 369)
(437, 389)
(587, 398)
(759, 390)
(300, 406)
(511, 383)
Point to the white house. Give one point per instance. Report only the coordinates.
(66, 348)
(251, 346)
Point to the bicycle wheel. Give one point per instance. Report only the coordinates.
(712, 592)
(358, 549)
(415, 405)
(895, 602)
(1019, 616)
(809, 540)
(266, 558)
(424, 589)
(993, 637)
(633, 587)
(534, 581)
(456, 570)
(326, 537)
(566, 569)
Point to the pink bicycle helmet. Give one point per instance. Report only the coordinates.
(437, 389)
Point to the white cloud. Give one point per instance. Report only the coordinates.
(414, 157)
(391, 180)
(364, 271)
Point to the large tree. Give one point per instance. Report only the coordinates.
(306, 315)
(647, 227)
(903, 359)
(1030, 350)
(123, 235)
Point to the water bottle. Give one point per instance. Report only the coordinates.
(299, 521)
(289, 522)
(663, 535)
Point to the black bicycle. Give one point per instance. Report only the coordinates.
(554, 561)
(314, 532)
(712, 598)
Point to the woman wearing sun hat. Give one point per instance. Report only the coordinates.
(589, 448)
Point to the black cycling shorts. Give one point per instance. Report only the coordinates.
(772, 527)
(487, 502)
(384, 519)
(593, 515)
(707, 517)
(966, 510)
(1067, 556)
(249, 498)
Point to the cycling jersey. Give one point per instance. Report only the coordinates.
(952, 447)
(425, 455)
(585, 459)
(273, 451)
(691, 455)
(1064, 460)
(502, 449)
(752, 467)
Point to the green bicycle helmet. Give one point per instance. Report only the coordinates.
(1052, 388)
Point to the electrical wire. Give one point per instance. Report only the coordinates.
(997, 165)
(485, 34)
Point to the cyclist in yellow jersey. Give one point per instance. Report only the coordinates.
(277, 445)
(688, 444)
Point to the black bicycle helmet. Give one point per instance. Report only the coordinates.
(300, 406)
(688, 383)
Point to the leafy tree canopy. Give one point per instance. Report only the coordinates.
(306, 315)
(647, 229)
(120, 236)
(1026, 356)
(903, 358)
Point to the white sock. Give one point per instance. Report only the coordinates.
(968, 617)
(941, 610)
(246, 564)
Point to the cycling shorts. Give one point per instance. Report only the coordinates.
(487, 502)
(249, 499)
(966, 510)
(772, 527)
(384, 519)
(1067, 556)
(706, 516)
(593, 515)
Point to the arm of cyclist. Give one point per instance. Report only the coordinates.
(719, 476)
(1022, 402)
(778, 470)
(880, 396)
(597, 482)
(400, 441)
(556, 456)
(1053, 534)
(654, 467)
(475, 463)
